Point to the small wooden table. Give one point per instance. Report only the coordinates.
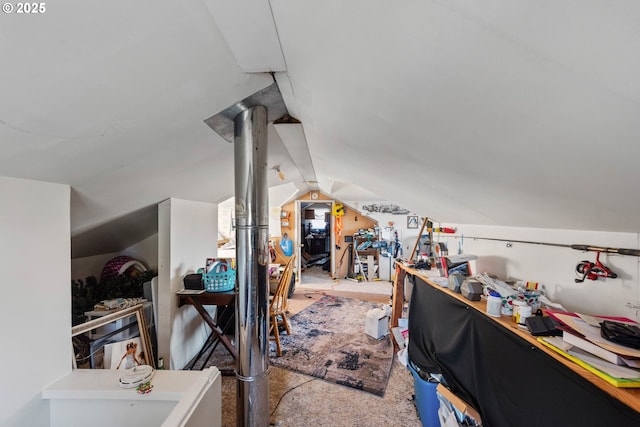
(224, 301)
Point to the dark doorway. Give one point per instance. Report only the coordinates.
(315, 235)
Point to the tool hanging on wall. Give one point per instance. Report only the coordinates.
(586, 248)
(338, 211)
(445, 230)
(593, 270)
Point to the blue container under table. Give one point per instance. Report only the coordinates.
(426, 400)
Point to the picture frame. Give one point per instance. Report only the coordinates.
(412, 221)
(122, 326)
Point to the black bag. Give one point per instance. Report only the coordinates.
(193, 281)
(542, 326)
(620, 333)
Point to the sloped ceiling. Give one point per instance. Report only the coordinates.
(485, 112)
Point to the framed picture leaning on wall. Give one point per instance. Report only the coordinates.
(121, 335)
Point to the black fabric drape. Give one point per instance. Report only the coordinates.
(508, 380)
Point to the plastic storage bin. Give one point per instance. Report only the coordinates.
(426, 399)
(221, 278)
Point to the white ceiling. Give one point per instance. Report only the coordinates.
(493, 112)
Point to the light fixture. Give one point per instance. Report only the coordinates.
(279, 172)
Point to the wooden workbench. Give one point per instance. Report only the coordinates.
(628, 396)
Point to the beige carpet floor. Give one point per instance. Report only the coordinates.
(300, 400)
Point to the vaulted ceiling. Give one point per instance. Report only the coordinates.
(492, 112)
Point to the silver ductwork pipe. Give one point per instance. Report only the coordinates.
(252, 259)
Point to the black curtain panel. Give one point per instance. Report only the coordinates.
(507, 379)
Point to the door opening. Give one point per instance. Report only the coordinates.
(316, 239)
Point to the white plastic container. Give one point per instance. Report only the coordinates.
(523, 313)
(516, 307)
(494, 306)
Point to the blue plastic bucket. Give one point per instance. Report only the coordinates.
(426, 400)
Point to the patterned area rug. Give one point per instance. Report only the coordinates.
(328, 342)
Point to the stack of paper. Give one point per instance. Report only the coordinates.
(584, 345)
(592, 348)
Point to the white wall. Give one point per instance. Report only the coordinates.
(555, 267)
(187, 236)
(145, 251)
(35, 318)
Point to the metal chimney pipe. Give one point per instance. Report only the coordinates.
(252, 249)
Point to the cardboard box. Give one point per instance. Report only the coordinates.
(376, 324)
